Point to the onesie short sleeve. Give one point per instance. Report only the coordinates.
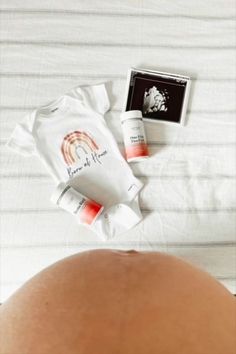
(22, 140)
(94, 97)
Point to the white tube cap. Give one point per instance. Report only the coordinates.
(59, 190)
(130, 115)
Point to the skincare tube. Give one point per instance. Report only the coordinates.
(85, 209)
(136, 148)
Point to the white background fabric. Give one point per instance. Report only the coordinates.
(188, 201)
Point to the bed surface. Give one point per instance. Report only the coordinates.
(188, 201)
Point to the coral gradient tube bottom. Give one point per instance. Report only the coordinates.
(136, 151)
(91, 210)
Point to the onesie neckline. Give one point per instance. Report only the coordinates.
(53, 107)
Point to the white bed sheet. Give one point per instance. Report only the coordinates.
(188, 201)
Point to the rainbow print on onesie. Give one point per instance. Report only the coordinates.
(76, 144)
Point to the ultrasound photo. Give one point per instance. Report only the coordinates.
(155, 100)
(160, 96)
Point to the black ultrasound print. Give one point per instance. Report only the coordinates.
(158, 97)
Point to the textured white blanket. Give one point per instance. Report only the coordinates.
(188, 201)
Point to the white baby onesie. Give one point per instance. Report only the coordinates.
(72, 139)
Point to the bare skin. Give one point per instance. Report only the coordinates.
(119, 302)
